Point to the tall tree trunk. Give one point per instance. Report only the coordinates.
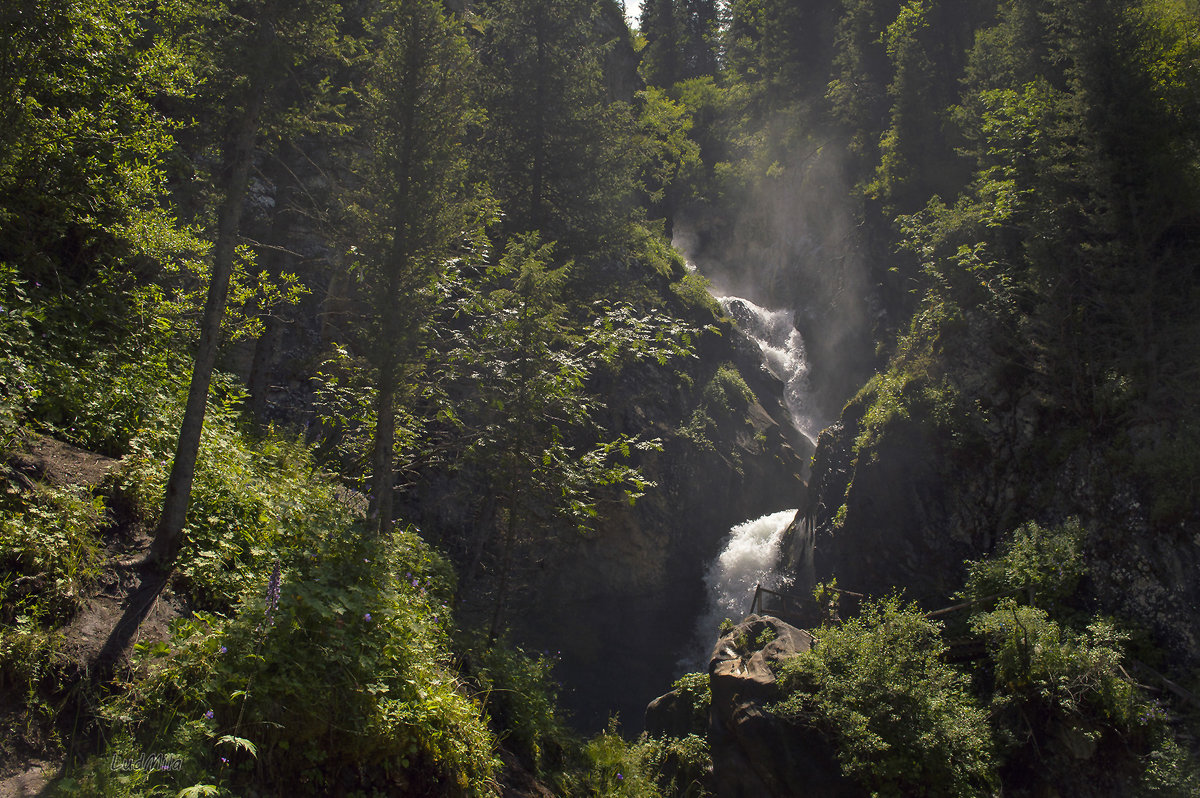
(480, 535)
(275, 261)
(537, 179)
(382, 475)
(168, 537)
(510, 537)
(260, 370)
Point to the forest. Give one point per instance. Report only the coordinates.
(372, 402)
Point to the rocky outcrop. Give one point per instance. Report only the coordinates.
(907, 507)
(619, 606)
(755, 754)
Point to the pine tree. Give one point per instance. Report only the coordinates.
(556, 150)
(415, 207)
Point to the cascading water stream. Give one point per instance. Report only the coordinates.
(783, 355)
(748, 559)
(751, 556)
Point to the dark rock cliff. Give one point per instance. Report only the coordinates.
(902, 507)
(619, 606)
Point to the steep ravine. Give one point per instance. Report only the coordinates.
(618, 608)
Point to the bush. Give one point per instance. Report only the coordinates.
(900, 719)
(248, 500)
(337, 679)
(727, 392)
(1045, 561)
(616, 768)
(1067, 715)
(682, 765)
(520, 697)
(50, 550)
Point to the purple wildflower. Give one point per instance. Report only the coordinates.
(273, 588)
(209, 715)
(415, 582)
(367, 617)
(223, 649)
(620, 777)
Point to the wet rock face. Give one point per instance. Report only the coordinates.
(619, 606)
(908, 510)
(754, 753)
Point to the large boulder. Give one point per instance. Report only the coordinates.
(756, 754)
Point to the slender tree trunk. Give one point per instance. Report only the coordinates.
(274, 262)
(537, 179)
(510, 536)
(168, 537)
(382, 475)
(480, 536)
(260, 370)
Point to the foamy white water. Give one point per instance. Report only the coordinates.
(748, 559)
(783, 354)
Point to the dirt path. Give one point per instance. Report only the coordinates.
(125, 606)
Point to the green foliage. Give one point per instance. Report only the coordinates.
(520, 697)
(549, 111)
(80, 175)
(49, 549)
(692, 290)
(727, 393)
(248, 500)
(1064, 707)
(17, 380)
(615, 767)
(765, 637)
(901, 720)
(681, 765)
(696, 689)
(669, 152)
(1035, 562)
(907, 393)
(340, 674)
(528, 365)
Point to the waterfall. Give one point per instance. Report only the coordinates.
(783, 355)
(749, 558)
(751, 555)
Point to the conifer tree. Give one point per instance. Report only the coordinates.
(414, 208)
(557, 150)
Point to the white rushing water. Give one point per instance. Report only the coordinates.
(748, 559)
(783, 354)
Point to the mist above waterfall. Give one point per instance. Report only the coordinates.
(794, 245)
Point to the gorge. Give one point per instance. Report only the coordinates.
(407, 397)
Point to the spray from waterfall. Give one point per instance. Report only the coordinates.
(749, 558)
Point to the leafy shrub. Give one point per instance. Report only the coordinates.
(1045, 561)
(616, 768)
(1065, 712)
(900, 719)
(681, 765)
(697, 690)
(17, 389)
(727, 392)
(248, 500)
(50, 551)
(337, 679)
(520, 696)
(692, 290)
